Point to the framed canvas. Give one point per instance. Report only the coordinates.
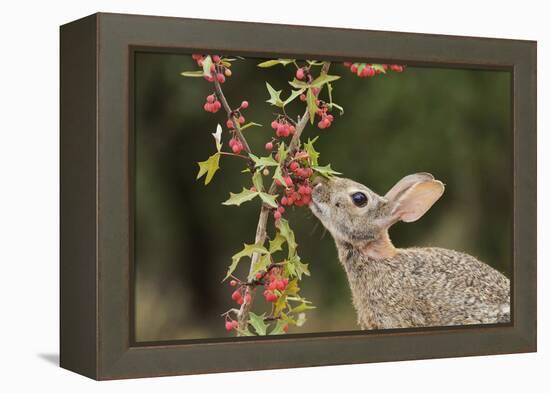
(183, 139)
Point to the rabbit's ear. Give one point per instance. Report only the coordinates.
(413, 196)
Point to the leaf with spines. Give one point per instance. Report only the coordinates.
(244, 196)
(274, 96)
(247, 251)
(258, 181)
(325, 171)
(250, 124)
(288, 234)
(262, 162)
(298, 84)
(263, 262)
(271, 63)
(277, 243)
(293, 95)
(258, 323)
(279, 328)
(311, 105)
(269, 199)
(322, 79)
(209, 167)
(310, 150)
(278, 175)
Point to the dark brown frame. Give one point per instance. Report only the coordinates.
(96, 196)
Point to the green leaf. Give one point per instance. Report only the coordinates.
(247, 251)
(269, 199)
(263, 262)
(304, 306)
(322, 79)
(258, 323)
(335, 105)
(262, 162)
(277, 243)
(311, 105)
(325, 171)
(209, 167)
(271, 63)
(298, 84)
(206, 64)
(292, 288)
(379, 68)
(193, 74)
(274, 96)
(244, 196)
(251, 124)
(280, 305)
(278, 175)
(258, 181)
(282, 152)
(315, 62)
(288, 234)
(310, 150)
(279, 328)
(299, 268)
(293, 95)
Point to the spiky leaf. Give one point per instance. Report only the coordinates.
(313, 154)
(293, 95)
(262, 162)
(274, 96)
(288, 234)
(258, 323)
(250, 124)
(209, 167)
(325, 171)
(247, 251)
(311, 105)
(322, 79)
(243, 196)
(271, 63)
(269, 199)
(279, 328)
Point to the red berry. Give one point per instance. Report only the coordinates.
(281, 209)
(274, 124)
(280, 285)
(269, 146)
(229, 123)
(285, 328)
(211, 98)
(241, 119)
(303, 97)
(236, 295)
(221, 78)
(285, 281)
(244, 104)
(209, 78)
(235, 324)
(228, 326)
(288, 181)
(347, 64)
(353, 68)
(240, 301)
(277, 215)
(396, 67)
(216, 58)
(258, 276)
(290, 201)
(233, 283)
(236, 148)
(292, 129)
(294, 166)
(300, 73)
(284, 200)
(306, 199)
(253, 189)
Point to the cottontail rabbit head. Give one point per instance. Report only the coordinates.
(357, 216)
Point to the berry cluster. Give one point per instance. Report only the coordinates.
(283, 127)
(237, 115)
(326, 118)
(212, 104)
(236, 145)
(218, 69)
(364, 70)
(230, 325)
(274, 284)
(237, 295)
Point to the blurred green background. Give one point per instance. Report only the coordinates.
(453, 123)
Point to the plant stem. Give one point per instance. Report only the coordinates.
(261, 228)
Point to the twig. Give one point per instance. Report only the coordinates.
(261, 228)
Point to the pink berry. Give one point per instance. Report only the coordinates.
(281, 209)
(353, 68)
(269, 146)
(300, 73)
(285, 327)
(241, 119)
(211, 98)
(303, 97)
(221, 78)
(293, 166)
(236, 148)
(288, 181)
(274, 124)
(258, 276)
(236, 295)
(233, 283)
(235, 324)
(244, 104)
(229, 123)
(253, 189)
(284, 201)
(216, 58)
(228, 326)
(277, 215)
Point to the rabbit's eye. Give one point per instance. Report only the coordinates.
(359, 199)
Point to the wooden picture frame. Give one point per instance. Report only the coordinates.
(96, 196)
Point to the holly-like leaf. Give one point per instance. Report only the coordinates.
(258, 323)
(322, 79)
(247, 251)
(280, 305)
(263, 262)
(274, 96)
(313, 154)
(250, 124)
(288, 234)
(279, 328)
(282, 152)
(206, 64)
(244, 196)
(303, 306)
(262, 162)
(278, 175)
(277, 243)
(293, 95)
(269, 199)
(271, 63)
(209, 167)
(258, 181)
(325, 171)
(311, 105)
(379, 68)
(193, 74)
(298, 84)
(297, 267)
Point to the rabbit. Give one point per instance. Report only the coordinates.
(409, 287)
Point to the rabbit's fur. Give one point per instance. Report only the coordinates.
(412, 287)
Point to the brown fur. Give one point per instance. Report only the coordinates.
(397, 288)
